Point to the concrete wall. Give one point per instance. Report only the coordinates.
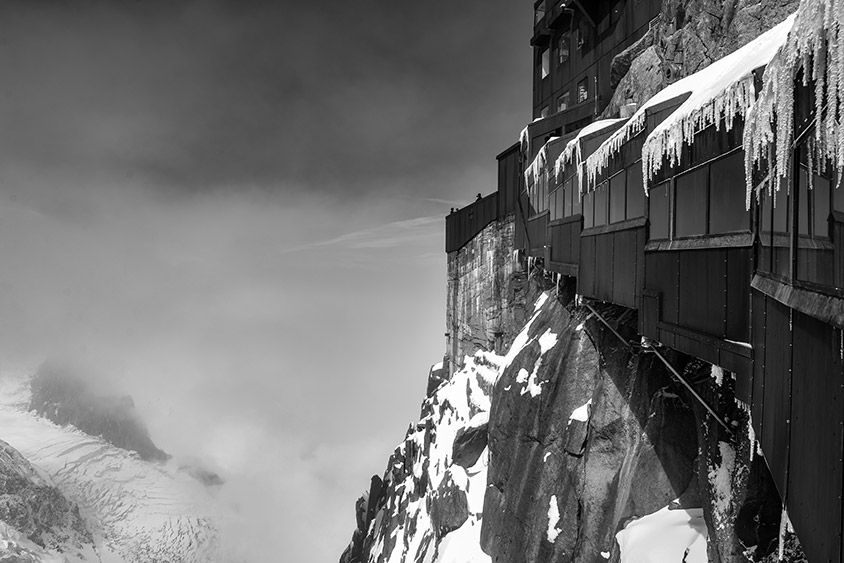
(486, 293)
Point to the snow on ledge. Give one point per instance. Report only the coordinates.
(571, 153)
(724, 89)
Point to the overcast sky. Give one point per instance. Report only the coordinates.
(234, 209)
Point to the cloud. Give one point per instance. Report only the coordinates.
(405, 234)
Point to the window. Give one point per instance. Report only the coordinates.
(539, 12)
(544, 112)
(583, 90)
(563, 48)
(546, 63)
(618, 198)
(563, 101)
(569, 191)
(588, 217)
(690, 199)
(658, 204)
(601, 196)
(635, 192)
(727, 213)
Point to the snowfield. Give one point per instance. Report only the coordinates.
(136, 511)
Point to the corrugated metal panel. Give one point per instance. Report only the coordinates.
(817, 415)
(537, 229)
(777, 392)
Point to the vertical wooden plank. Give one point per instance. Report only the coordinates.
(739, 262)
(702, 293)
(777, 395)
(586, 274)
(604, 267)
(817, 415)
(624, 268)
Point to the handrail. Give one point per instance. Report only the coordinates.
(682, 379)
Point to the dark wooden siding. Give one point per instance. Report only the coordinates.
(701, 300)
(537, 233)
(464, 224)
(611, 264)
(564, 241)
(798, 416)
(510, 180)
(817, 415)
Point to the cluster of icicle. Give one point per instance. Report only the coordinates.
(536, 167)
(600, 159)
(666, 144)
(815, 44)
(572, 151)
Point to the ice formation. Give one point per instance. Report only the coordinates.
(719, 93)
(816, 45)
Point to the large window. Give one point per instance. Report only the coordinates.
(706, 200)
(601, 200)
(659, 211)
(726, 198)
(583, 90)
(563, 101)
(618, 197)
(563, 48)
(690, 203)
(545, 62)
(539, 12)
(635, 192)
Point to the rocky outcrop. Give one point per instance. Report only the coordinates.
(688, 36)
(64, 397)
(31, 507)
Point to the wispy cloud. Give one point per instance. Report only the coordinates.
(388, 235)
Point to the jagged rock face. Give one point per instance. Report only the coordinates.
(486, 298)
(61, 396)
(580, 423)
(35, 509)
(689, 35)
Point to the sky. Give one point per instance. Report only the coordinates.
(234, 212)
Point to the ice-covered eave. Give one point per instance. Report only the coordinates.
(572, 152)
(535, 168)
(723, 89)
(721, 92)
(816, 45)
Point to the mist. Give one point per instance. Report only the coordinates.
(234, 212)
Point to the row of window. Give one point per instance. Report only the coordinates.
(707, 200)
(615, 200)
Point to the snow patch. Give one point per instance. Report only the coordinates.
(720, 481)
(581, 413)
(665, 536)
(717, 374)
(553, 519)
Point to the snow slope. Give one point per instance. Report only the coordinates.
(137, 512)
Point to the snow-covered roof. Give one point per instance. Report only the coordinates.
(724, 89)
(571, 152)
(817, 38)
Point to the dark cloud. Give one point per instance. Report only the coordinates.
(346, 97)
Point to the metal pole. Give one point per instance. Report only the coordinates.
(682, 379)
(691, 389)
(600, 318)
